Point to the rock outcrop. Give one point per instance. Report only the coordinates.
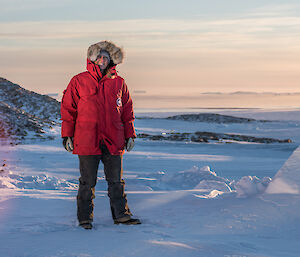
(25, 114)
(206, 137)
(212, 118)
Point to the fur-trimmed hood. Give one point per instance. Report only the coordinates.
(116, 53)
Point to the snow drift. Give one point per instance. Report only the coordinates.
(205, 182)
(41, 182)
(287, 179)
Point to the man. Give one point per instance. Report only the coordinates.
(97, 124)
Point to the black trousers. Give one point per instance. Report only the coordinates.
(113, 171)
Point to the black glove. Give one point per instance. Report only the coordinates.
(68, 143)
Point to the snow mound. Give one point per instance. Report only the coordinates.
(212, 194)
(194, 178)
(40, 182)
(206, 183)
(6, 183)
(251, 185)
(212, 185)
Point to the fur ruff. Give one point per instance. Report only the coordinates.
(116, 53)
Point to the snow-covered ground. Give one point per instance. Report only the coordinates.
(194, 199)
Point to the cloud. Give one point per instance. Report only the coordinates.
(250, 49)
(249, 32)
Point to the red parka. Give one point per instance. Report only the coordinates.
(97, 109)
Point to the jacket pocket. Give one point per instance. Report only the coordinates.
(120, 136)
(86, 134)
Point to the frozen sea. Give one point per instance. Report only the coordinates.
(194, 199)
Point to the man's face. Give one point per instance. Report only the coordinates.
(102, 61)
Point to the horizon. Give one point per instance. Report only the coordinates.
(207, 100)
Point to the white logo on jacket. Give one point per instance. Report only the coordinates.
(119, 102)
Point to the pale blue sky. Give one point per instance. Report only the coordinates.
(172, 47)
(95, 10)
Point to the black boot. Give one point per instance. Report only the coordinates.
(86, 225)
(130, 221)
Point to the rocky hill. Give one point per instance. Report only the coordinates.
(208, 118)
(212, 118)
(25, 114)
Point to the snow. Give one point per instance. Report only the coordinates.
(251, 185)
(287, 179)
(211, 200)
(160, 155)
(42, 181)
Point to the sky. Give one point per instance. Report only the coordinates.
(172, 47)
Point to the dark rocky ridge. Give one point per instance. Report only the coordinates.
(25, 114)
(209, 118)
(206, 137)
(212, 118)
